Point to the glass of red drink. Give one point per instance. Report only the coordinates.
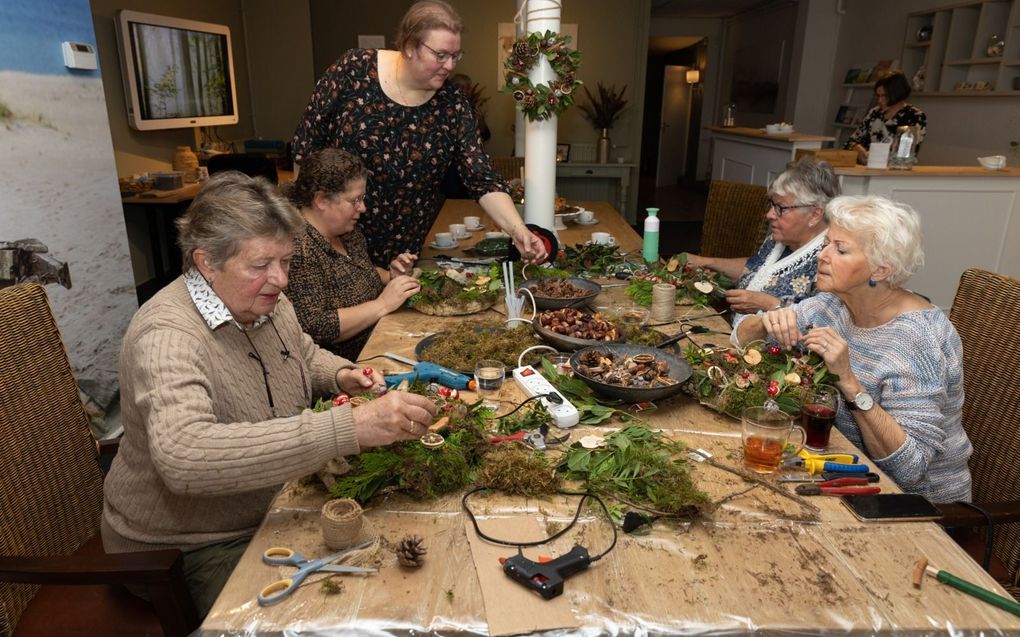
(818, 413)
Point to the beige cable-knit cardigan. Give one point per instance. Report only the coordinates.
(202, 457)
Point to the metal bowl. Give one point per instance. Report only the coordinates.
(554, 303)
(679, 371)
(566, 343)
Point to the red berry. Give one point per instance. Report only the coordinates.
(774, 350)
(341, 399)
(368, 371)
(745, 374)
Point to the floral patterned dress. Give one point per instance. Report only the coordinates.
(787, 275)
(875, 128)
(407, 148)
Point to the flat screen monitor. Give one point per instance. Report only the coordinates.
(177, 73)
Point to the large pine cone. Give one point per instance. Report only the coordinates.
(410, 551)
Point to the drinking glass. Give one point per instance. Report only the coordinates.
(818, 414)
(489, 375)
(765, 433)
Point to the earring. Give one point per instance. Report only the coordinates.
(872, 282)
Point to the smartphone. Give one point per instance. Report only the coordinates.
(891, 507)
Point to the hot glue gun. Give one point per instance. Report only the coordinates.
(429, 373)
(546, 577)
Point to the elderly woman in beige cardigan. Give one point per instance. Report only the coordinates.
(216, 380)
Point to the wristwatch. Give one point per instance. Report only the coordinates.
(862, 401)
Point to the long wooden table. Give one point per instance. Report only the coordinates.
(754, 567)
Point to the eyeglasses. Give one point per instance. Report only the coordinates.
(442, 56)
(285, 353)
(356, 201)
(781, 209)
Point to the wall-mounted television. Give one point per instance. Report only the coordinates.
(177, 73)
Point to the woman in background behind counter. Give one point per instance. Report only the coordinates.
(892, 111)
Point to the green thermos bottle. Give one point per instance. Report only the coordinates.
(650, 248)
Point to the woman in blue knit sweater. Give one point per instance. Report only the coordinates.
(899, 359)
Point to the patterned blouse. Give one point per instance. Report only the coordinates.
(322, 280)
(407, 148)
(875, 128)
(790, 276)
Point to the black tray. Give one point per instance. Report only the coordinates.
(679, 370)
(566, 343)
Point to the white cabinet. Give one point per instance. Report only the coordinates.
(970, 49)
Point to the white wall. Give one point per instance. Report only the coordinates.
(812, 66)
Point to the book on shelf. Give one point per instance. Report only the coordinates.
(851, 76)
(842, 115)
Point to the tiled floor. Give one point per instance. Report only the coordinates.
(681, 211)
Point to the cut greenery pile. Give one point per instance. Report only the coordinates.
(454, 289)
(694, 286)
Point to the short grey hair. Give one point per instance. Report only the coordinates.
(889, 231)
(229, 209)
(809, 182)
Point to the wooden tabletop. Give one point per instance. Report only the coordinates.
(760, 133)
(755, 566)
(930, 171)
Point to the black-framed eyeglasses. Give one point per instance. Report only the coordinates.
(781, 209)
(285, 353)
(443, 56)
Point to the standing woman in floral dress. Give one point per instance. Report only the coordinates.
(891, 112)
(395, 110)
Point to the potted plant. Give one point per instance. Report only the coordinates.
(603, 111)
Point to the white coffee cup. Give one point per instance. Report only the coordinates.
(585, 216)
(603, 238)
(458, 230)
(472, 223)
(444, 239)
(495, 235)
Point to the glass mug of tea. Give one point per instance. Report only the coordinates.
(818, 414)
(765, 434)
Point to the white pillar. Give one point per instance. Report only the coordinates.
(540, 136)
(519, 121)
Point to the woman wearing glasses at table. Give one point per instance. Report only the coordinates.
(216, 380)
(898, 358)
(783, 269)
(397, 112)
(337, 293)
(891, 111)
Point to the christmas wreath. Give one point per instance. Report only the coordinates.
(544, 100)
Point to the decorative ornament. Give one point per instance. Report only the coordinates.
(543, 101)
(410, 551)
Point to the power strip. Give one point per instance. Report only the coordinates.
(533, 383)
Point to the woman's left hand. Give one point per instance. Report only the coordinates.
(529, 245)
(403, 264)
(832, 348)
(354, 380)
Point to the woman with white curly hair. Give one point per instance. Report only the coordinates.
(898, 358)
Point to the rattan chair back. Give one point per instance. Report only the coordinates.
(50, 483)
(735, 224)
(508, 167)
(986, 313)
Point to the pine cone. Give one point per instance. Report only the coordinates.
(410, 551)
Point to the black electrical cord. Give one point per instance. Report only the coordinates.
(577, 514)
(552, 396)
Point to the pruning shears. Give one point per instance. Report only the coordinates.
(839, 486)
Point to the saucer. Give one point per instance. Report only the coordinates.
(466, 235)
(436, 246)
(589, 242)
(476, 228)
(586, 223)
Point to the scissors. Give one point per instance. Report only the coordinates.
(281, 589)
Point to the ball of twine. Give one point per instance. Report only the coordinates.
(663, 302)
(341, 523)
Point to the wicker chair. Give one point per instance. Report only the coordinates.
(986, 313)
(735, 224)
(52, 493)
(508, 167)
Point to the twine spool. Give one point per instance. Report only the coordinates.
(663, 302)
(341, 523)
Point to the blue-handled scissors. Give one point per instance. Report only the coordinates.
(281, 556)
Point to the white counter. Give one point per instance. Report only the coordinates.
(752, 156)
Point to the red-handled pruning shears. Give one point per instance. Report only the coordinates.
(839, 486)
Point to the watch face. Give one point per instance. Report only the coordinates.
(864, 401)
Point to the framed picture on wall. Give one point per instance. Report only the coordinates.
(562, 153)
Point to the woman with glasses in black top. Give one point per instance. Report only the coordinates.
(891, 112)
(783, 270)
